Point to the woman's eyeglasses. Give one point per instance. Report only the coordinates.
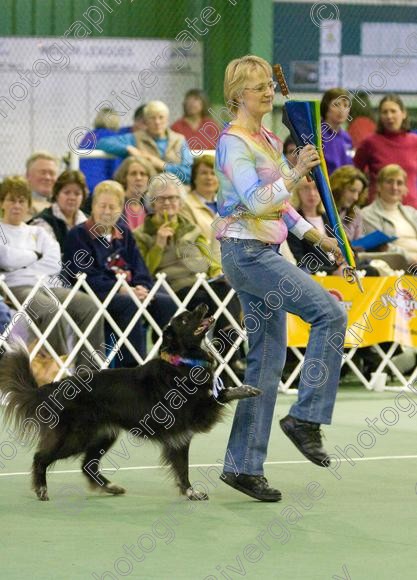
(168, 198)
(272, 85)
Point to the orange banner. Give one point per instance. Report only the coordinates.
(385, 312)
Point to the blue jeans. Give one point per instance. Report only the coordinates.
(268, 287)
(5, 316)
(122, 308)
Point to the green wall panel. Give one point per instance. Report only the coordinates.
(7, 25)
(63, 17)
(24, 21)
(43, 17)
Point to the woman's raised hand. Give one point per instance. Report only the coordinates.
(308, 158)
(330, 245)
(164, 234)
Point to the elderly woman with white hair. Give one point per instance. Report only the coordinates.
(171, 244)
(163, 148)
(111, 250)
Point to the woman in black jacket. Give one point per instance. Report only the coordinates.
(68, 194)
(311, 259)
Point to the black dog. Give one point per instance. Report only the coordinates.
(168, 400)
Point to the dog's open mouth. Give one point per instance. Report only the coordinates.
(204, 326)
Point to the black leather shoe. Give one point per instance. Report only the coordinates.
(254, 485)
(306, 437)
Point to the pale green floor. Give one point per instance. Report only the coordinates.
(364, 526)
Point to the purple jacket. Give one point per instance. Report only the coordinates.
(337, 147)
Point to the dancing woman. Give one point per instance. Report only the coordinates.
(255, 185)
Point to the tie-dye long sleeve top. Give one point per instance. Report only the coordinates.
(252, 200)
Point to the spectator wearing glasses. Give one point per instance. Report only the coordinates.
(168, 241)
(173, 245)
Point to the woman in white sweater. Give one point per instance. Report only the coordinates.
(29, 254)
(389, 215)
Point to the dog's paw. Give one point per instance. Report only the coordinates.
(42, 494)
(235, 393)
(195, 495)
(114, 489)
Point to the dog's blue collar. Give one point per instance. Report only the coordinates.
(176, 360)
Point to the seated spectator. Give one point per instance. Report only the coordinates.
(41, 173)
(106, 124)
(337, 144)
(138, 120)
(31, 254)
(311, 259)
(389, 215)
(68, 194)
(200, 207)
(111, 249)
(392, 143)
(134, 175)
(175, 246)
(362, 124)
(289, 149)
(306, 200)
(162, 147)
(196, 125)
(348, 185)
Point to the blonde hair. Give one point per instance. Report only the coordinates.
(111, 187)
(236, 75)
(40, 155)
(159, 183)
(107, 118)
(295, 196)
(390, 170)
(155, 107)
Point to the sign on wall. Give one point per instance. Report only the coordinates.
(50, 87)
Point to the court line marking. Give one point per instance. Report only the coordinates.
(143, 467)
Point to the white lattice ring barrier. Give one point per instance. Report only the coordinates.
(223, 358)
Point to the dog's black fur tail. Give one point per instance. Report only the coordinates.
(20, 391)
